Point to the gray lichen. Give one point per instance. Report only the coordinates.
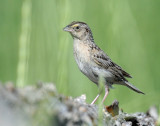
(41, 105)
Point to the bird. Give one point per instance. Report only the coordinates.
(94, 62)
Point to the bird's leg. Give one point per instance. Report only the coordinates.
(106, 93)
(95, 99)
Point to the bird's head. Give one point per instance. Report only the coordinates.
(79, 30)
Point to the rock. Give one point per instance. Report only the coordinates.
(41, 105)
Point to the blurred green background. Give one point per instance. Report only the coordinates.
(33, 46)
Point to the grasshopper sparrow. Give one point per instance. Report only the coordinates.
(93, 62)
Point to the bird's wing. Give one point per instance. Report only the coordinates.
(101, 59)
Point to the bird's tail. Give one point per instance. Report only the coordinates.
(133, 87)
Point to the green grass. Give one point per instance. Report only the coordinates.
(128, 31)
(24, 42)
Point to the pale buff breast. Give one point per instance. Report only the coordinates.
(81, 51)
(82, 57)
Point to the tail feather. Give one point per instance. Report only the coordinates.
(133, 87)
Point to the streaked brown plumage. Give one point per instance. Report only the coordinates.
(93, 62)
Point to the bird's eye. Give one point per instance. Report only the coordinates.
(77, 27)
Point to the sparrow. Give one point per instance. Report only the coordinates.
(93, 62)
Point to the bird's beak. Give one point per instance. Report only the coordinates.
(68, 29)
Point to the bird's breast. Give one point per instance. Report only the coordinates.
(81, 51)
(82, 56)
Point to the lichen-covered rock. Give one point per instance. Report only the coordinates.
(41, 105)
